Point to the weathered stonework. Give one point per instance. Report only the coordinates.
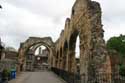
(115, 61)
(85, 22)
(34, 42)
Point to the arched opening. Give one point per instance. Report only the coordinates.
(41, 58)
(37, 58)
(32, 43)
(72, 53)
(77, 55)
(40, 50)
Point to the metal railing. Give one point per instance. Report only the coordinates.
(99, 78)
(68, 77)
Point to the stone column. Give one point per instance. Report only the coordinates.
(54, 61)
(94, 60)
(58, 61)
(64, 63)
(61, 59)
(67, 62)
(60, 65)
(18, 68)
(84, 59)
(72, 61)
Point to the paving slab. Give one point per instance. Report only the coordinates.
(37, 77)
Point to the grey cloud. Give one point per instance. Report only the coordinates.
(45, 7)
(54, 9)
(20, 19)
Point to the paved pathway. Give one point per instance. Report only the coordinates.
(37, 77)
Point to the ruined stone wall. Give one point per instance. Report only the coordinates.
(115, 61)
(34, 41)
(85, 22)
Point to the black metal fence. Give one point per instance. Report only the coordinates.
(76, 78)
(68, 77)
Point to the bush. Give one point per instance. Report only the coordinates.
(122, 70)
(118, 44)
(6, 74)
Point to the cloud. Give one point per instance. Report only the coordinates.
(20, 19)
(113, 17)
(45, 7)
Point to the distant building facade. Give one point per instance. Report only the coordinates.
(30, 61)
(41, 60)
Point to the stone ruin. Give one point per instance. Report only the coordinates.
(85, 23)
(34, 42)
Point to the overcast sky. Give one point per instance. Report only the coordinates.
(20, 19)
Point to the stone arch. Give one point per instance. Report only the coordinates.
(85, 22)
(71, 53)
(50, 57)
(38, 45)
(32, 41)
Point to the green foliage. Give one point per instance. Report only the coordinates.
(6, 72)
(118, 44)
(122, 70)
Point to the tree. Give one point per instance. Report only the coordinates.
(118, 44)
(122, 70)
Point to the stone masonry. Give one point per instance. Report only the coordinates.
(34, 42)
(85, 23)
